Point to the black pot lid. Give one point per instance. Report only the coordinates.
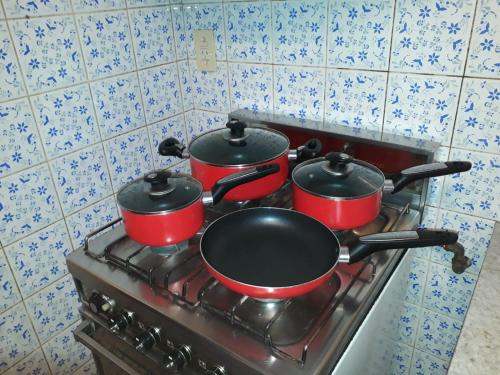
(338, 175)
(159, 192)
(239, 145)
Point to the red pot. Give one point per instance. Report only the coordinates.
(163, 208)
(345, 193)
(221, 152)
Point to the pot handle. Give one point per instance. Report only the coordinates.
(224, 185)
(366, 245)
(419, 172)
(171, 147)
(309, 150)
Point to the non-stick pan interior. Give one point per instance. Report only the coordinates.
(269, 247)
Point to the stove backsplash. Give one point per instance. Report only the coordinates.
(88, 88)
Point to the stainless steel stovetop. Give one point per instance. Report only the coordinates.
(169, 289)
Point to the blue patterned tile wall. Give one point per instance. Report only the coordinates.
(82, 81)
(88, 89)
(422, 69)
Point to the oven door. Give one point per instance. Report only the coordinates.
(112, 356)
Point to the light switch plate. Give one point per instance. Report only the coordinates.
(204, 45)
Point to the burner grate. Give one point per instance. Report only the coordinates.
(289, 327)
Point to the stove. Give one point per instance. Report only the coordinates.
(157, 310)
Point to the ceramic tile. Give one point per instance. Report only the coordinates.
(129, 157)
(299, 30)
(64, 354)
(186, 85)
(27, 202)
(431, 38)
(22, 8)
(485, 42)
(438, 335)
(11, 85)
(9, 294)
(211, 88)
(391, 358)
(19, 141)
(81, 178)
(416, 281)
(16, 335)
(359, 34)
(160, 92)
(173, 127)
(435, 188)
(447, 292)
(474, 235)
(426, 364)
(66, 120)
(477, 128)
(299, 92)
(49, 52)
(39, 259)
(421, 106)
(90, 5)
(198, 122)
(355, 99)
(206, 17)
(85, 221)
(34, 364)
(251, 87)
(117, 101)
(2, 15)
(87, 369)
(106, 43)
(180, 36)
(477, 191)
(153, 36)
(401, 322)
(182, 167)
(54, 308)
(248, 32)
(139, 3)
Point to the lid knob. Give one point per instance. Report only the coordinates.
(339, 164)
(237, 131)
(159, 182)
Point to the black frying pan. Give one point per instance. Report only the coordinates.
(277, 253)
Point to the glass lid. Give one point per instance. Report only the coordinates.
(159, 192)
(238, 145)
(338, 175)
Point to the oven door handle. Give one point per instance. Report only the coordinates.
(81, 335)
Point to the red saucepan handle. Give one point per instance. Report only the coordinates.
(172, 147)
(224, 185)
(419, 172)
(366, 245)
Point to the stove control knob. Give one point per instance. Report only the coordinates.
(121, 321)
(147, 339)
(216, 370)
(99, 303)
(177, 359)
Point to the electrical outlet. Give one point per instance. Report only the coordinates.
(204, 45)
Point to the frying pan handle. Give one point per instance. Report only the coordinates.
(309, 150)
(366, 245)
(171, 147)
(419, 172)
(239, 178)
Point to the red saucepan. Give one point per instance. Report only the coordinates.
(345, 193)
(273, 253)
(164, 208)
(221, 152)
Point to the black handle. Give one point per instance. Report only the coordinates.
(239, 178)
(309, 150)
(171, 147)
(338, 164)
(419, 172)
(237, 128)
(366, 245)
